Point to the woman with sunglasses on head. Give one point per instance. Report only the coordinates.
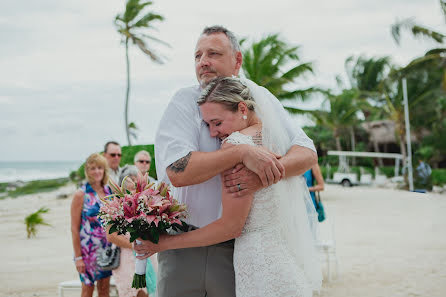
(87, 233)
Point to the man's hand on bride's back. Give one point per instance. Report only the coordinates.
(265, 164)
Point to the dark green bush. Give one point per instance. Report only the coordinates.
(387, 171)
(3, 187)
(439, 177)
(39, 186)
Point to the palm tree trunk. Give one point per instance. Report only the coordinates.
(126, 111)
(376, 148)
(338, 143)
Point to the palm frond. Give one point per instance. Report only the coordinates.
(443, 7)
(156, 39)
(417, 31)
(302, 94)
(266, 62)
(147, 19)
(295, 110)
(297, 71)
(366, 74)
(133, 8)
(143, 47)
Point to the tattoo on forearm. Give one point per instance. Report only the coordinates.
(257, 138)
(180, 164)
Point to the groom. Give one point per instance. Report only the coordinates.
(188, 157)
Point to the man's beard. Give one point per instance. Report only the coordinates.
(203, 83)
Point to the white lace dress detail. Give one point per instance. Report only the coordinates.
(262, 263)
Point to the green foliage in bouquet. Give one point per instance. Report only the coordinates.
(138, 229)
(35, 219)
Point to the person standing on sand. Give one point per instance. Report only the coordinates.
(87, 233)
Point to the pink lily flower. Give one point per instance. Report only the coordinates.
(142, 182)
(130, 208)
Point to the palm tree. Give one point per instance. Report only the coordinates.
(420, 31)
(35, 219)
(341, 116)
(417, 29)
(426, 80)
(366, 76)
(133, 25)
(426, 98)
(275, 65)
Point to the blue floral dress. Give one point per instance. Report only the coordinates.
(92, 235)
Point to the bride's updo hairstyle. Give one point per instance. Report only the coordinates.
(227, 91)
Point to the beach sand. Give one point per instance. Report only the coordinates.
(389, 243)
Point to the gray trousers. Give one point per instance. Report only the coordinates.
(197, 272)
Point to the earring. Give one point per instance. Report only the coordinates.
(245, 117)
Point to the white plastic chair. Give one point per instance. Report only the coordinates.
(326, 243)
(75, 285)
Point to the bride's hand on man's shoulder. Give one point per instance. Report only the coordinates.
(265, 164)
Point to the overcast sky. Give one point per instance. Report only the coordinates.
(62, 66)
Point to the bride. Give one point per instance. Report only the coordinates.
(274, 251)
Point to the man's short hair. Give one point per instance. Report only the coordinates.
(146, 153)
(220, 29)
(108, 143)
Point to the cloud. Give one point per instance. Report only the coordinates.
(6, 100)
(63, 77)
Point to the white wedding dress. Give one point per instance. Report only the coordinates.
(263, 262)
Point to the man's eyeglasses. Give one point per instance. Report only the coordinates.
(115, 155)
(144, 161)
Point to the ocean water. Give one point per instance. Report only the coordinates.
(35, 170)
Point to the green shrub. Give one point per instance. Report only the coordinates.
(3, 187)
(387, 171)
(35, 219)
(333, 169)
(39, 186)
(439, 177)
(332, 160)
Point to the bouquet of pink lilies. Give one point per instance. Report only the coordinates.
(145, 212)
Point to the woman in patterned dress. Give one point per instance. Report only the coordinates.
(87, 233)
